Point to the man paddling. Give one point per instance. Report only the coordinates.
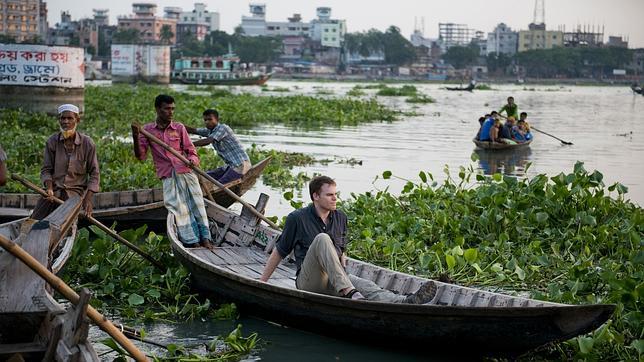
(227, 146)
(511, 109)
(318, 235)
(70, 165)
(182, 194)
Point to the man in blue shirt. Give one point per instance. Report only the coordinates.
(226, 145)
(487, 126)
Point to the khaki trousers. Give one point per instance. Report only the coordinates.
(322, 272)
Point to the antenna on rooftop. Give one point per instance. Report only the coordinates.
(539, 12)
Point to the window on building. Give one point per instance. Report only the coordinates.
(305, 29)
(326, 30)
(292, 28)
(332, 39)
(270, 27)
(554, 37)
(335, 30)
(207, 19)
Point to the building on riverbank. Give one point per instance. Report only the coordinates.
(23, 20)
(149, 26)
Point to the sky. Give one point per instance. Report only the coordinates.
(618, 17)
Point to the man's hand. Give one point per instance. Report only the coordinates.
(87, 203)
(50, 190)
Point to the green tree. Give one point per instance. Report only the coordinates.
(497, 63)
(166, 34)
(398, 50)
(127, 36)
(7, 39)
(460, 56)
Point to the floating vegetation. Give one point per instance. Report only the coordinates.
(111, 110)
(420, 98)
(370, 86)
(324, 92)
(404, 91)
(561, 239)
(355, 92)
(484, 87)
(275, 89)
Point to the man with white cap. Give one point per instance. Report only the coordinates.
(70, 165)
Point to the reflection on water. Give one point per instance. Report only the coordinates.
(507, 162)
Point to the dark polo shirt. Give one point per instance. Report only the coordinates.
(303, 225)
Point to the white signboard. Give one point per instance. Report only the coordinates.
(141, 60)
(41, 66)
(619, 71)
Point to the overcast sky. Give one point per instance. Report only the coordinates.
(618, 17)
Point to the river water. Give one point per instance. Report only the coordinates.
(606, 125)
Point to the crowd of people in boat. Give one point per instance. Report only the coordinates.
(514, 130)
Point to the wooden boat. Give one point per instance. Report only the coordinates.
(459, 320)
(637, 89)
(487, 145)
(469, 88)
(138, 206)
(33, 326)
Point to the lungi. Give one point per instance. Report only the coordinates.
(182, 197)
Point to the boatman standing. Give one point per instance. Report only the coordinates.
(70, 165)
(318, 236)
(182, 194)
(227, 146)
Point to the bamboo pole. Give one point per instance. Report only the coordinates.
(60, 286)
(92, 220)
(187, 162)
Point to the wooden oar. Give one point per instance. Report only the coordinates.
(548, 134)
(91, 219)
(60, 286)
(540, 131)
(187, 162)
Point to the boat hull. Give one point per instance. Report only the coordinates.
(130, 207)
(487, 323)
(494, 146)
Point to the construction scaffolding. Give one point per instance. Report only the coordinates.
(451, 34)
(584, 36)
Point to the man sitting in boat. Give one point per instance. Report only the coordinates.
(318, 235)
(520, 132)
(227, 146)
(511, 109)
(182, 194)
(524, 118)
(70, 166)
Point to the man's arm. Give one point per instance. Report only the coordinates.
(203, 142)
(47, 169)
(190, 130)
(271, 264)
(140, 144)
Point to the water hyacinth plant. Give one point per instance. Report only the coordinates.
(561, 239)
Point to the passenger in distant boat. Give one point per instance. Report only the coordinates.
(511, 109)
(487, 127)
(227, 146)
(524, 118)
(506, 128)
(3, 167)
(481, 121)
(520, 132)
(70, 165)
(182, 194)
(318, 236)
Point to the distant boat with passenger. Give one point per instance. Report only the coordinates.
(222, 70)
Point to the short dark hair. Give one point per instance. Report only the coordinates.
(510, 97)
(210, 111)
(493, 113)
(163, 98)
(317, 182)
(522, 113)
(482, 119)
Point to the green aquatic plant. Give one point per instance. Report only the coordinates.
(420, 98)
(404, 91)
(562, 239)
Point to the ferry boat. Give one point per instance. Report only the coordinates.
(222, 70)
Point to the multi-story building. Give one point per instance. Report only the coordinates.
(450, 34)
(502, 40)
(196, 23)
(329, 32)
(21, 19)
(617, 41)
(537, 37)
(255, 24)
(148, 24)
(66, 32)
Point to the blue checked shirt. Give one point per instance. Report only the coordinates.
(226, 144)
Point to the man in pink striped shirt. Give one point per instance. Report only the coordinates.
(182, 194)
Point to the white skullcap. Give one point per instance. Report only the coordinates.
(67, 107)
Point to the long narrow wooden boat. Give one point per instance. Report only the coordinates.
(33, 326)
(142, 206)
(459, 320)
(487, 145)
